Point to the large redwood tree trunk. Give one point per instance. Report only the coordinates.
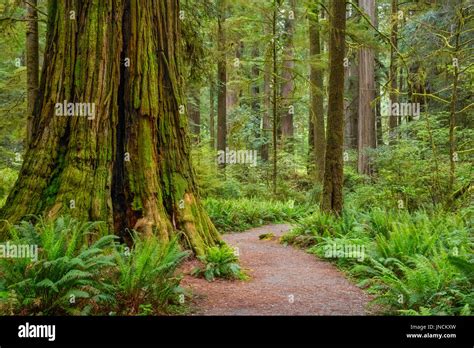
(221, 81)
(332, 199)
(316, 110)
(129, 165)
(32, 63)
(288, 84)
(366, 125)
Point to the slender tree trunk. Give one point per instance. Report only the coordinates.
(452, 115)
(222, 82)
(378, 115)
(212, 111)
(274, 100)
(194, 112)
(234, 90)
(267, 91)
(351, 111)
(316, 111)
(393, 119)
(255, 92)
(128, 162)
(332, 199)
(287, 88)
(378, 104)
(366, 126)
(32, 64)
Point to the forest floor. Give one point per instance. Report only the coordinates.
(283, 281)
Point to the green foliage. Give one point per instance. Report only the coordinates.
(411, 172)
(66, 278)
(147, 273)
(239, 215)
(220, 262)
(73, 275)
(415, 263)
(7, 179)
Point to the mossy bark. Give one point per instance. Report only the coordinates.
(130, 164)
(332, 199)
(317, 134)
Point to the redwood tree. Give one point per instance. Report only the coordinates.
(333, 171)
(32, 62)
(221, 81)
(366, 126)
(287, 88)
(316, 110)
(129, 165)
(393, 120)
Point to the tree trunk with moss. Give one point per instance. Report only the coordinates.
(288, 84)
(316, 109)
(221, 81)
(333, 172)
(32, 63)
(128, 162)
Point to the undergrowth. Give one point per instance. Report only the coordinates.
(415, 263)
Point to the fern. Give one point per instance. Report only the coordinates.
(147, 273)
(219, 262)
(67, 269)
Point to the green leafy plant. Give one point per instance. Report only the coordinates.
(239, 215)
(147, 273)
(219, 262)
(415, 263)
(68, 275)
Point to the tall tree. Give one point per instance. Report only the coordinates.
(274, 99)
(454, 98)
(32, 63)
(234, 90)
(316, 110)
(393, 119)
(366, 123)
(333, 172)
(351, 108)
(267, 103)
(221, 80)
(128, 162)
(288, 84)
(212, 113)
(351, 95)
(194, 113)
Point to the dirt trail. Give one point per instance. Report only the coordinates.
(284, 281)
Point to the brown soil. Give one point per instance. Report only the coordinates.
(283, 281)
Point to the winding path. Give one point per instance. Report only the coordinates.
(284, 281)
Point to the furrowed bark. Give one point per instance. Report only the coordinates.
(32, 63)
(130, 164)
(316, 107)
(366, 126)
(332, 199)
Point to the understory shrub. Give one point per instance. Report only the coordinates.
(241, 214)
(77, 271)
(416, 263)
(147, 273)
(219, 262)
(66, 277)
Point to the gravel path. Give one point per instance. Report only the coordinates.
(284, 281)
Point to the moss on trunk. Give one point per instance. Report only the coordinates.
(130, 165)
